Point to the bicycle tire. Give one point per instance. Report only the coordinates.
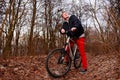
(53, 65)
(77, 60)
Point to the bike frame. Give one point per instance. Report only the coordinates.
(72, 50)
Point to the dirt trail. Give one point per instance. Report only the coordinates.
(101, 67)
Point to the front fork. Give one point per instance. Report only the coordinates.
(64, 51)
(62, 56)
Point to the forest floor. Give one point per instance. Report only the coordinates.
(100, 67)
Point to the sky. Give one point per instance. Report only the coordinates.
(82, 2)
(90, 21)
(87, 1)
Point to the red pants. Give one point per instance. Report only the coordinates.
(80, 43)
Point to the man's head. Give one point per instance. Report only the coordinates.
(65, 15)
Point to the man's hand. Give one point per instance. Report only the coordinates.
(73, 28)
(62, 31)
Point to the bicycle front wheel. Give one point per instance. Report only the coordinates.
(55, 63)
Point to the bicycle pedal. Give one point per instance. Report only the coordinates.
(66, 63)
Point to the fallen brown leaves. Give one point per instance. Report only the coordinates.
(101, 67)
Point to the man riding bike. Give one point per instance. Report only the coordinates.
(77, 32)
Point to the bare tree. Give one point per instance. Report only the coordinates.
(13, 20)
(114, 21)
(30, 41)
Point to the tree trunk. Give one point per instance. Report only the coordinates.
(30, 41)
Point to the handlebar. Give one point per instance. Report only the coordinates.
(69, 33)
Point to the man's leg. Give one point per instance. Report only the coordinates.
(80, 42)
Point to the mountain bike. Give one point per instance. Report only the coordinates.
(56, 63)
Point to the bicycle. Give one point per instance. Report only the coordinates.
(55, 62)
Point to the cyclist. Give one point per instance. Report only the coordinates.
(73, 23)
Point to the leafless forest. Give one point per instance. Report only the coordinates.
(31, 28)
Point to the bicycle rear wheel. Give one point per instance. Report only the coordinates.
(77, 60)
(55, 63)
